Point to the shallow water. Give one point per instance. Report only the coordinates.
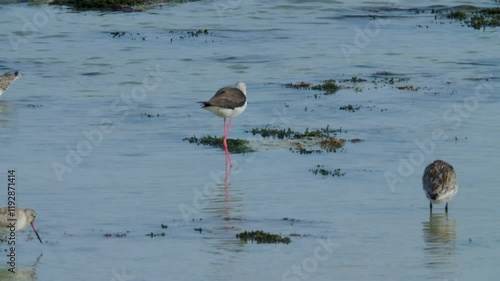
(135, 173)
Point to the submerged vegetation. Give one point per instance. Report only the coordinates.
(408, 88)
(320, 170)
(354, 79)
(477, 18)
(485, 18)
(290, 134)
(457, 15)
(307, 142)
(113, 5)
(175, 35)
(331, 144)
(299, 85)
(261, 237)
(328, 86)
(152, 235)
(350, 107)
(233, 145)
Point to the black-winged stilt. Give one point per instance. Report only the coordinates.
(228, 102)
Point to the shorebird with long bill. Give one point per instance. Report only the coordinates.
(439, 183)
(6, 79)
(23, 218)
(228, 102)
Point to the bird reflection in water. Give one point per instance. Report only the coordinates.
(22, 273)
(221, 201)
(439, 235)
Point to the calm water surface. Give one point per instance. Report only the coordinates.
(85, 90)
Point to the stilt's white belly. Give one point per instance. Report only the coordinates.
(226, 112)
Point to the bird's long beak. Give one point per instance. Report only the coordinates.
(36, 232)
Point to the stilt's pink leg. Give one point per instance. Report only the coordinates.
(226, 192)
(229, 126)
(224, 127)
(224, 142)
(228, 159)
(224, 138)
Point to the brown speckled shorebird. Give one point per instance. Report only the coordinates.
(24, 217)
(6, 79)
(440, 183)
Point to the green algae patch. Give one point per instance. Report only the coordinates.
(291, 134)
(485, 18)
(457, 15)
(272, 132)
(307, 142)
(299, 85)
(261, 237)
(329, 87)
(476, 18)
(113, 5)
(354, 79)
(233, 145)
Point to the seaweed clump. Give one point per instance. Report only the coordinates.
(485, 18)
(320, 170)
(457, 15)
(329, 86)
(290, 134)
(350, 107)
(480, 18)
(112, 5)
(261, 237)
(331, 144)
(233, 145)
(355, 79)
(305, 142)
(300, 85)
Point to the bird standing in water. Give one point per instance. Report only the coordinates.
(6, 79)
(439, 183)
(228, 102)
(23, 218)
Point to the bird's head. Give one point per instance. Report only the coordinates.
(242, 86)
(31, 219)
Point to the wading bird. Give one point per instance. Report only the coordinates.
(6, 79)
(439, 183)
(23, 218)
(228, 102)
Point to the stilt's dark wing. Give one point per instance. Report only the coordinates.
(227, 97)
